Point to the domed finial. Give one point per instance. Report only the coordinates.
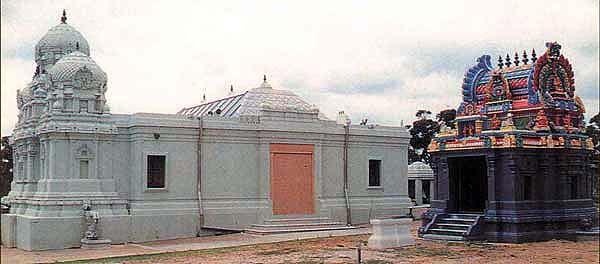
(63, 19)
(231, 88)
(533, 56)
(516, 59)
(265, 78)
(203, 97)
(77, 45)
(507, 63)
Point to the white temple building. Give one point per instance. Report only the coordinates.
(258, 161)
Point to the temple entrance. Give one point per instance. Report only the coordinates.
(468, 184)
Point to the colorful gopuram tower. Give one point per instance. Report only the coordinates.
(516, 168)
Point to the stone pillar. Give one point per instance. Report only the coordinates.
(431, 193)
(419, 191)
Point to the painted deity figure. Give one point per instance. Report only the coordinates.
(561, 141)
(508, 124)
(495, 125)
(493, 141)
(567, 121)
(541, 121)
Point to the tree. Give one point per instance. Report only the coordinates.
(447, 117)
(592, 130)
(6, 166)
(424, 129)
(421, 133)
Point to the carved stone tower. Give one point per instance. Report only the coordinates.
(62, 145)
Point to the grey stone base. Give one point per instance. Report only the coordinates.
(391, 233)
(95, 243)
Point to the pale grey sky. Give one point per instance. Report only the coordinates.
(381, 59)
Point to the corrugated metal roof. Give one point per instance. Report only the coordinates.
(251, 102)
(227, 107)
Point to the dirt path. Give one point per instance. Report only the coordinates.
(343, 250)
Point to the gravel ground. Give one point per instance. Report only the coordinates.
(344, 250)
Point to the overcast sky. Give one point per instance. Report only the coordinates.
(382, 60)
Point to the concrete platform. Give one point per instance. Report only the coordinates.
(14, 255)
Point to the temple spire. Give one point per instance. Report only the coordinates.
(63, 19)
(516, 59)
(525, 60)
(500, 64)
(265, 84)
(507, 63)
(533, 56)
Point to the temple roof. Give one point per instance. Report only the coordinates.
(252, 102)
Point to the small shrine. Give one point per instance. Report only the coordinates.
(516, 168)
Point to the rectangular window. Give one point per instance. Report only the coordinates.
(374, 173)
(411, 189)
(156, 171)
(83, 106)
(83, 169)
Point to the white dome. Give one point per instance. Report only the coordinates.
(61, 39)
(67, 67)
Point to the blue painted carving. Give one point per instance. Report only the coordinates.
(533, 97)
(472, 75)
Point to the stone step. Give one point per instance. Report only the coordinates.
(297, 220)
(453, 225)
(446, 219)
(298, 225)
(270, 231)
(464, 216)
(445, 230)
(443, 237)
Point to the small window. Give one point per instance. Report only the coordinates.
(83, 106)
(83, 169)
(411, 189)
(374, 173)
(156, 171)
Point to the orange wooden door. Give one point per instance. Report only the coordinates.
(292, 184)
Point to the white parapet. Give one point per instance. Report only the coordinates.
(391, 233)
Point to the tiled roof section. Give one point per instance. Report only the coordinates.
(228, 107)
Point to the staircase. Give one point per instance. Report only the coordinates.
(279, 226)
(453, 227)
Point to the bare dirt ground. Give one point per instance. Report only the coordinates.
(343, 250)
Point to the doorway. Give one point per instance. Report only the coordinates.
(292, 179)
(468, 184)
